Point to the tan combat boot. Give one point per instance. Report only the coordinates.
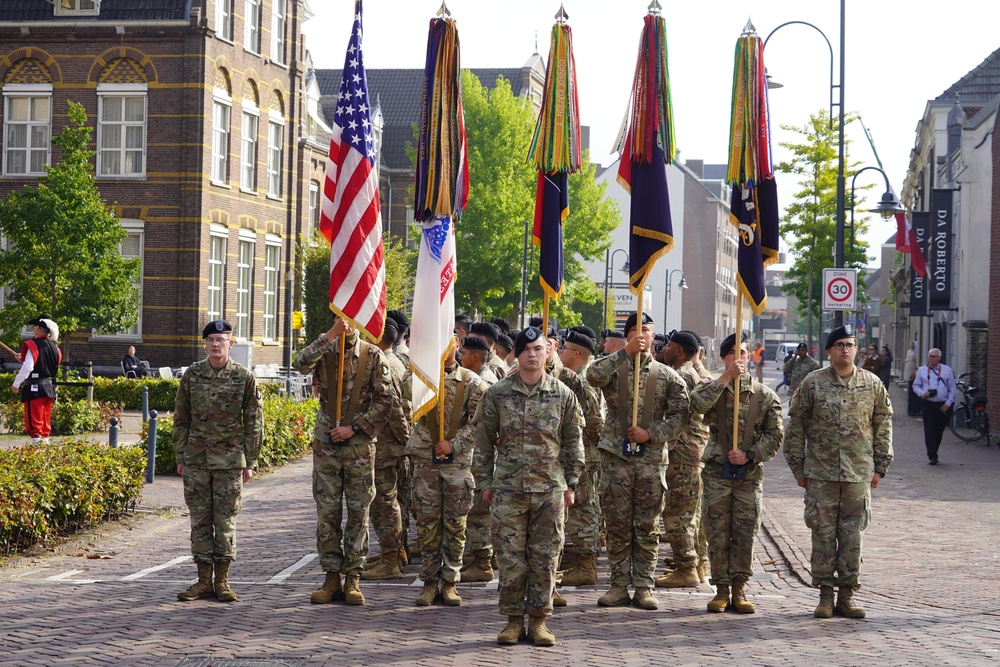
(644, 599)
(680, 578)
(387, 567)
(617, 596)
(427, 595)
(481, 569)
(329, 591)
(513, 633)
(583, 572)
(449, 594)
(703, 571)
(846, 604)
(825, 607)
(721, 600)
(352, 590)
(538, 633)
(202, 588)
(740, 602)
(222, 590)
(557, 599)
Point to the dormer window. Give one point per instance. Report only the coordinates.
(77, 7)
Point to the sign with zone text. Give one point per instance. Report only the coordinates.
(840, 289)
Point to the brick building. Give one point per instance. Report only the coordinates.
(205, 145)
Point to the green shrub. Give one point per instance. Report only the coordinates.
(68, 417)
(288, 429)
(47, 490)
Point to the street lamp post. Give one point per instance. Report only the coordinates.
(682, 283)
(608, 264)
(887, 207)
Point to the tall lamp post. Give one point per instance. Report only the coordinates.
(682, 283)
(608, 265)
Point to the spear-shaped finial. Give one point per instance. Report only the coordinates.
(561, 15)
(444, 11)
(749, 28)
(654, 7)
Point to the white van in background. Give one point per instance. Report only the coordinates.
(784, 349)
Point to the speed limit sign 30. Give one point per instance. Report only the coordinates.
(840, 289)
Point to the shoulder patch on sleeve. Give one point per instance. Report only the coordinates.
(385, 370)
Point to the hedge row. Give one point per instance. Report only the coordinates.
(48, 490)
(68, 417)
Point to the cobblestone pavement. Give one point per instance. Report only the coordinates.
(930, 584)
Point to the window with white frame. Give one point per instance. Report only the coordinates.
(221, 107)
(275, 149)
(244, 284)
(312, 224)
(278, 31)
(121, 129)
(77, 7)
(217, 272)
(224, 19)
(251, 26)
(27, 126)
(272, 258)
(248, 152)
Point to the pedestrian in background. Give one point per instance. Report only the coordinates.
(873, 362)
(910, 374)
(838, 445)
(935, 385)
(40, 358)
(885, 373)
(801, 366)
(217, 436)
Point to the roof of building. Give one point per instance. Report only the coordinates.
(400, 93)
(111, 10)
(981, 84)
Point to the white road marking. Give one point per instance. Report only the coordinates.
(282, 576)
(149, 570)
(64, 575)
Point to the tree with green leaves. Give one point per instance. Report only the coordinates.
(490, 235)
(810, 223)
(62, 255)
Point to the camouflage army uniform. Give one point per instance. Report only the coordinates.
(583, 518)
(479, 543)
(682, 516)
(731, 508)
(443, 492)
(404, 471)
(345, 470)
(496, 365)
(800, 368)
(633, 488)
(218, 429)
(390, 447)
(839, 435)
(529, 447)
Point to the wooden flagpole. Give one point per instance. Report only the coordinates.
(545, 313)
(4, 346)
(738, 351)
(638, 359)
(441, 390)
(340, 375)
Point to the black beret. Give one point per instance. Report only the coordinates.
(501, 324)
(612, 333)
(400, 318)
(553, 326)
(461, 317)
(730, 342)
(696, 337)
(505, 341)
(686, 340)
(216, 326)
(630, 322)
(484, 329)
(527, 335)
(801, 346)
(840, 333)
(475, 343)
(583, 340)
(393, 324)
(585, 330)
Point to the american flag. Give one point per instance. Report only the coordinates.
(350, 216)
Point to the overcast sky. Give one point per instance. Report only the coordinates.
(899, 55)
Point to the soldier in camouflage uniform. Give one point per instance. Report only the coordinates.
(218, 426)
(634, 460)
(442, 481)
(839, 446)
(386, 515)
(799, 367)
(404, 473)
(583, 519)
(528, 461)
(344, 455)
(733, 479)
(489, 334)
(682, 516)
(479, 545)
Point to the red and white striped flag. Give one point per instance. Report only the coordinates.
(350, 218)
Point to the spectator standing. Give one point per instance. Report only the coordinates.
(885, 373)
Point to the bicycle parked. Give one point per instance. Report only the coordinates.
(969, 421)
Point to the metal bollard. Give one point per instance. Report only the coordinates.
(145, 404)
(151, 448)
(113, 433)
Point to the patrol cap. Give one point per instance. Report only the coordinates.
(475, 343)
(400, 318)
(840, 333)
(730, 342)
(686, 340)
(484, 329)
(527, 335)
(216, 326)
(612, 333)
(505, 341)
(502, 324)
(583, 340)
(630, 322)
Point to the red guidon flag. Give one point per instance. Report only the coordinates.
(906, 241)
(350, 218)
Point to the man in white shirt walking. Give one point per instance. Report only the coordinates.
(935, 385)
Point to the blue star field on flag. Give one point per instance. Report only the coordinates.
(352, 112)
